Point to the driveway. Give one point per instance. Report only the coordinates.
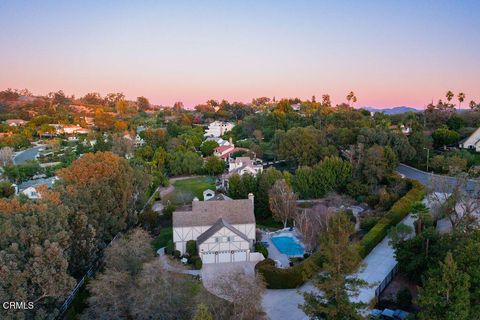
(283, 304)
(213, 271)
(435, 182)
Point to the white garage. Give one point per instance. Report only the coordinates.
(224, 256)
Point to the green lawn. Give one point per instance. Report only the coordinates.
(186, 190)
(161, 240)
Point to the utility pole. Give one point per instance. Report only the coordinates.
(428, 156)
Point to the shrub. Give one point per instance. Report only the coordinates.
(259, 247)
(278, 278)
(367, 223)
(169, 248)
(396, 214)
(197, 262)
(177, 253)
(404, 299)
(191, 248)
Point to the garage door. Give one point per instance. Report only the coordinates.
(224, 257)
(208, 258)
(240, 256)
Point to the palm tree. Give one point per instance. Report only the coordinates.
(351, 97)
(449, 95)
(461, 98)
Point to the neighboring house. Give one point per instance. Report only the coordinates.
(225, 152)
(472, 142)
(30, 187)
(240, 166)
(137, 140)
(296, 107)
(208, 194)
(218, 129)
(68, 129)
(221, 142)
(74, 129)
(404, 129)
(224, 230)
(16, 122)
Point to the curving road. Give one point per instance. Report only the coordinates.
(436, 182)
(29, 154)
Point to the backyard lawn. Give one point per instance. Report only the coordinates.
(186, 190)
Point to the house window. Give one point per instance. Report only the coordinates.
(226, 239)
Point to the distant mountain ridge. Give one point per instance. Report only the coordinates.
(394, 110)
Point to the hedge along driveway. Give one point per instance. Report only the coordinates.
(277, 278)
(396, 214)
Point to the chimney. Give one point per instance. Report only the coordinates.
(251, 196)
(195, 199)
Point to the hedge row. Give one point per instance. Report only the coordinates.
(396, 214)
(278, 278)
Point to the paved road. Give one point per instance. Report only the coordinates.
(29, 154)
(435, 182)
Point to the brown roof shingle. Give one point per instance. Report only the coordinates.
(206, 213)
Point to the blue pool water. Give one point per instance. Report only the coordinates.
(288, 246)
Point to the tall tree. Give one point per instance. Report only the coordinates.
(143, 103)
(335, 284)
(282, 201)
(445, 294)
(351, 97)
(33, 254)
(461, 98)
(449, 95)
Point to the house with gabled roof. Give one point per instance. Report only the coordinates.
(472, 142)
(223, 229)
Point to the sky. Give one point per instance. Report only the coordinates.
(390, 53)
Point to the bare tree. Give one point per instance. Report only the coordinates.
(130, 252)
(459, 204)
(162, 295)
(311, 222)
(244, 292)
(122, 146)
(6, 156)
(282, 201)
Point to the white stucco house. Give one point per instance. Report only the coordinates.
(224, 230)
(218, 129)
(472, 142)
(241, 166)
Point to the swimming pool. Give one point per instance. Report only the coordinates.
(288, 245)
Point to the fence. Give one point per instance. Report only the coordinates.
(94, 268)
(386, 281)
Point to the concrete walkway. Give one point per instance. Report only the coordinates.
(167, 265)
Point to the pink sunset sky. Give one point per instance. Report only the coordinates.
(388, 53)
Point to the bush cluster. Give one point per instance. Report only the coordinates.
(169, 248)
(191, 248)
(396, 214)
(259, 247)
(278, 278)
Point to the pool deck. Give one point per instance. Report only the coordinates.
(273, 252)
